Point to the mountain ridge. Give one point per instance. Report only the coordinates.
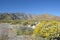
(24, 16)
(15, 16)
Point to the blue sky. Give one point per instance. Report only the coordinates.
(31, 6)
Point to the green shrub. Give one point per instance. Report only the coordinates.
(24, 31)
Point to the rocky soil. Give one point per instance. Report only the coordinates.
(7, 33)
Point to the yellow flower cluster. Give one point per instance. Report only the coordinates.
(47, 29)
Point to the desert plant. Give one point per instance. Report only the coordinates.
(48, 29)
(24, 31)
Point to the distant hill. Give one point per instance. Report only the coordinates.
(15, 16)
(47, 17)
(30, 17)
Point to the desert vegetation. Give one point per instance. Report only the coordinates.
(13, 27)
(48, 29)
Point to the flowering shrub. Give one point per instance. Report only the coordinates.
(47, 29)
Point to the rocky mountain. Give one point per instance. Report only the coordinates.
(15, 16)
(25, 16)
